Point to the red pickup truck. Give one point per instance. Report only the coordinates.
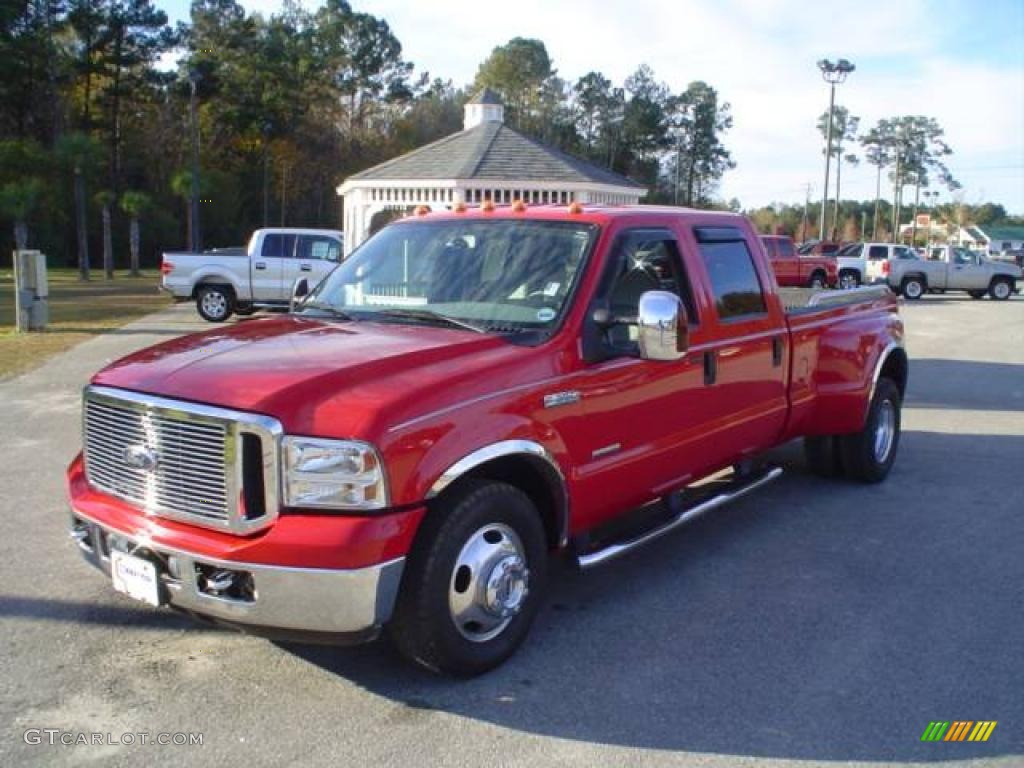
(793, 269)
(468, 394)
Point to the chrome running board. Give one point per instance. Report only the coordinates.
(741, 488)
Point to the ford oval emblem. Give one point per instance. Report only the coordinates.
(141, 457)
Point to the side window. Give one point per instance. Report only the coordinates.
(770, 247)
(786, 250)
(278, 246)
(323, 248)
(902, 252)
(645, 262)
(878, 252)
(734, 283)
(936, 254)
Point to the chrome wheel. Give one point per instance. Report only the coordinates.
(847, 281)
(885, 431)
(912, 289)
(215, 304)
(489, 583)
(1001, 290)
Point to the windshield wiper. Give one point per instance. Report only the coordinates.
(333, 311)
(430, 316)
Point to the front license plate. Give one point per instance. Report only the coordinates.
(135, 577)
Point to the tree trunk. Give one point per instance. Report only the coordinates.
(115, 117)
(80, 225)
(133, 245)
(108, 247)
(188, 224)
(21, 235)
(917, 202)
(896, 200)
(878, 200)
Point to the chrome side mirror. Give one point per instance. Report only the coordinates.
(662, 327)
(300, 290)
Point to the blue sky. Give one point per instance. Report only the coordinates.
(960, 62)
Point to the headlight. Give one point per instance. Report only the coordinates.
(332, 474)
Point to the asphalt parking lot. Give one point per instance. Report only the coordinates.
(815, 621)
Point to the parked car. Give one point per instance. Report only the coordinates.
(468, 394)
(227, 281)
(951, 268)
(878, 254)
(793, 270)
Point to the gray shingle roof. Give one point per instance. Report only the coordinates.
(493, 152)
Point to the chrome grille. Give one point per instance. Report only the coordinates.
(179, 460)
(189, 476)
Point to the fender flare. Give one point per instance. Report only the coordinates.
(505, 448)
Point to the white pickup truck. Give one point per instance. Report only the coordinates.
(260, 277)
(951, 268)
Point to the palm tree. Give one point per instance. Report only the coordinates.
(181, 186)
(78, 151)
(17, 200)
(105, 199)
(134, 203)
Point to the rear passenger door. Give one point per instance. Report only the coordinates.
(315, 256)
(267, 267)
(744, 356)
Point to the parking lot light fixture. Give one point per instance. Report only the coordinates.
(833, 73)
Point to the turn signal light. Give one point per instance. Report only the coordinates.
(422, 210)
(166, 267)
(575, 207)
(459, 207)
(518, 206)
(487, 206)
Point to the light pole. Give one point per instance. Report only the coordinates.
(266, 130)
(197, 240)
(833, 74)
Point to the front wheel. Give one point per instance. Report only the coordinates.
(1001, 289)
(214, 303)
(912, 288)
(868, 455)
(473, 581)
(818, 281)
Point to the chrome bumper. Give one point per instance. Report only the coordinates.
(282, 600)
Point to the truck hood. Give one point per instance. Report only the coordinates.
(309, 372)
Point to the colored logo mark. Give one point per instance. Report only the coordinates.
(959, 730)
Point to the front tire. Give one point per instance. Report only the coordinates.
(868, 455)
(215, 303)
(1001, 289)
(818, 281)
(912, 288)
(473, 581)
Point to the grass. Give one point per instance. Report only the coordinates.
(78, 311)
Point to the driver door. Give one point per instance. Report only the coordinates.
(644, 423)
(965, 272)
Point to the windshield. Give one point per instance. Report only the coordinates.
(491, 275)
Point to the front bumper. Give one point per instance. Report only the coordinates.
(333, 605)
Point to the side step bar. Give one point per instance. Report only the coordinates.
(742, 488)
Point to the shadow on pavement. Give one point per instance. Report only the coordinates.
(961, 384)
(130, 617)
(778, 627)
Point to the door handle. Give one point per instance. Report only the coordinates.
(710, 367)
(306, 268)
(777, 351)
(261, 265)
